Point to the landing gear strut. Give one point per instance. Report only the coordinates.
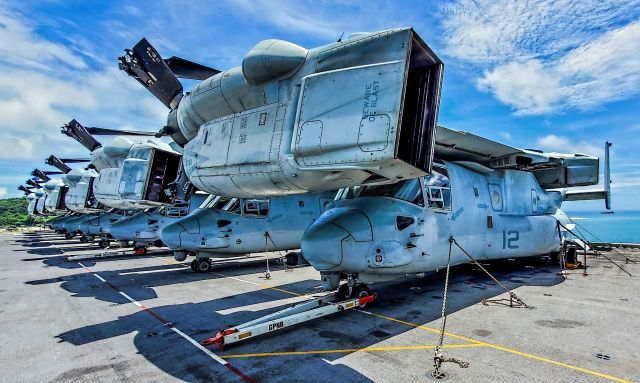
(201, 265)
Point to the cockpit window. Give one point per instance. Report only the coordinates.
(438, 190)
(408, 190)
(256, 208)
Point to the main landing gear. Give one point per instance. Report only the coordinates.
(69, 235)
(201, 265)
(104, 243)
(140, 250)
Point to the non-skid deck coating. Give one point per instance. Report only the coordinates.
(140, 318)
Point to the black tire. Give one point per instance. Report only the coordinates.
(68, 235)
(204, 265)
(104, 243)
(359, 291)
(194, 265)
(342, 293)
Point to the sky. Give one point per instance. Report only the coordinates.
(559, 75)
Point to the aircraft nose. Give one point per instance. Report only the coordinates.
(173, 234)
(331, 240)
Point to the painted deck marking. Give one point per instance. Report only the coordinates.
(346, 350)
(479, 343)
(171, 326)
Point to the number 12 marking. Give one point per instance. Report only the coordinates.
(510, 239)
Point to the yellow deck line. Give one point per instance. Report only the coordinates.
(348, 350)
(474, 341)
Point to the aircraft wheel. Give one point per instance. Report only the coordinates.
(140, 250)
(194, 265)
(360, 291)
(68, 235)
(84, 239)
(104, 243)
(204, 265)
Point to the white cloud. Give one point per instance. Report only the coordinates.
(19, 45)
(36, 100)
(544, 57)
(526, 86)
(560, 144)
(3, 192)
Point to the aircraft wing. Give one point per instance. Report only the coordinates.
(553, 170)
(455, 145)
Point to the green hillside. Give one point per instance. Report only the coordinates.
(13, 212)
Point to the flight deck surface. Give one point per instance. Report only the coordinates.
(140, 318)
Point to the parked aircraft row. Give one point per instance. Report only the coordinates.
(332, 153)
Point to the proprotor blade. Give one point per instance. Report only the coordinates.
(188, 69)
(144, 63)
(24, 189)
(40, 174)
(115, 132)
(57, 163)
(33, 183)
(78, 132)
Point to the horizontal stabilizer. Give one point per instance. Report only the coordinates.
(188, 69)
(584, 195)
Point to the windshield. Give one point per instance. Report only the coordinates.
(408, 190)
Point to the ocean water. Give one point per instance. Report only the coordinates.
(622, 226)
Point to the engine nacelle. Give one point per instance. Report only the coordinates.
(363, 110)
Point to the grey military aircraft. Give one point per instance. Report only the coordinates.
(224, 225)
(132, 175)
(494, 200)
(361, 111)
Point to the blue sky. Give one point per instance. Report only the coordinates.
(560, 76)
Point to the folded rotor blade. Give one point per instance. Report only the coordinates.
(116, 132)
(74, 160)
(57, 163)
(24, 189)
(144, 63)
(79, 133)
(40, 174)
(184, 68)
(33, 183)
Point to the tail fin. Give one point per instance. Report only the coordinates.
(607, 176)
(78, 132)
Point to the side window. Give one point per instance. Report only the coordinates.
(256, 208)
(438, 190)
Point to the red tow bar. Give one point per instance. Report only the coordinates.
(218, 338)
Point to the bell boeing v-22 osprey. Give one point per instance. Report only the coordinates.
(359, 111)
(493, 200)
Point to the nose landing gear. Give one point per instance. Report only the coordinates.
(353, 290)
(201, 265)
